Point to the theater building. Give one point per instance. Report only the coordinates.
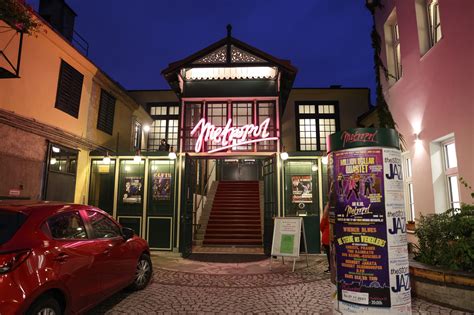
(246, 147)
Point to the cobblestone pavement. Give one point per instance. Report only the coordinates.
(247, 288)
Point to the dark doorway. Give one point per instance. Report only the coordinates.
(239, 169)
(60, 182)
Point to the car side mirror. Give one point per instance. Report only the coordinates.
(127, 233)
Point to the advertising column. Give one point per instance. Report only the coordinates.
(368, 216)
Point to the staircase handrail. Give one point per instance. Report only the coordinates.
(196, 225)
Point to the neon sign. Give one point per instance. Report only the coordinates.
(228, 136)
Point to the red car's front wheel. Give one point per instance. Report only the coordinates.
(143, 273)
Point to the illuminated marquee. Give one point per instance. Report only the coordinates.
(229, 136)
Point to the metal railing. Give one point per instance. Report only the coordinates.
(196, 225)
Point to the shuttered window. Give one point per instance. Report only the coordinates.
(68, 98)
(105, 122)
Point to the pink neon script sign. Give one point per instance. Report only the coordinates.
(229, 136)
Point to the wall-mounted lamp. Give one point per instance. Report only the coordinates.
(324, 159)
(284, 155)
(106, 159)
(146, 128)
(137, 158)
(172, 155)
(417, 138)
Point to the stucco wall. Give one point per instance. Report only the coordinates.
(352, 103)
(434, 96)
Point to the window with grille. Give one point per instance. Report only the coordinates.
(241, 113)
(315, 121)
(68, 97)
(165, 125)
(105, 121)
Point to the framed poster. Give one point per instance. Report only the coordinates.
(161, 186)
(132, 190)
(302, 189)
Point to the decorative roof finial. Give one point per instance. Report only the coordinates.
(229, 30)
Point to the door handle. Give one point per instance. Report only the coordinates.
(107, 250)
(62, 257)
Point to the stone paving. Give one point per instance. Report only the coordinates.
(182, 286)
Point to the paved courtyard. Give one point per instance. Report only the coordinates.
(187, 286)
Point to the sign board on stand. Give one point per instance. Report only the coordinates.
(287, 237)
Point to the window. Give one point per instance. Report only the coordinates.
(68, 96)
(165, 125)
(428, 24)
(62, 159)
(392, 45)
(434, 21)
(67, 225)
(10, 223)
(315, 121)
(105, 121)
(137, 135)
(451, 173)
(408, 183)
(102, 226)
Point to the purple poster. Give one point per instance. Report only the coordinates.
(360, 230)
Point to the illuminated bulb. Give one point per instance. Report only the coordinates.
(324, 159)
(284, 156)
(106, 160)
(172, 155)
(53, 161)
(314, 167)
(56, 150)
(137, 159)
(146, 128)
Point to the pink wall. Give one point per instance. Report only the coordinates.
(435, 95)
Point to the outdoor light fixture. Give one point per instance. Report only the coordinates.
(324, 159)
(417, 138)
(106, 159)
(56, 149)
(314, 167)
(137, 158)
(172, 155)
(146, 128)
(53, 161)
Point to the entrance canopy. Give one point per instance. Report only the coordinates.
(231, 68)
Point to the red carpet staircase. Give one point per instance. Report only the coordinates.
(235, 215)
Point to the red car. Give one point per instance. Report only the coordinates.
(65, 258)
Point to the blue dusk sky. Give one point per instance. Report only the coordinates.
(133, 41)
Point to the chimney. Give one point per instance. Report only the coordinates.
(59, 15)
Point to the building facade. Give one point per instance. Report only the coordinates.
(58, 109)
(427, 49)
(211, 161)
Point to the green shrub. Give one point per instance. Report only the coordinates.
(447, 239)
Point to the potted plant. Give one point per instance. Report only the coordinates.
(19, 16)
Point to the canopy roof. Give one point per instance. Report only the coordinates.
(231, 59)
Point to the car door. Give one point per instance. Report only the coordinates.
(71, 258)
(116, 266)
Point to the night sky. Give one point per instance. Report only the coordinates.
(327, 40)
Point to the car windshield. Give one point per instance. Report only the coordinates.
(10, 222)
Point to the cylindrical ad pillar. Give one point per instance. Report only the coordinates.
(367, 211)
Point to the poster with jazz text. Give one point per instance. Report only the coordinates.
(361, 235)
